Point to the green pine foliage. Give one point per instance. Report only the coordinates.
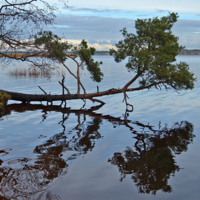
(53, 45)
(85, 53)
(56, 50)
(152, 54)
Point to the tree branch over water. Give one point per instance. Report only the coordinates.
(151, 55)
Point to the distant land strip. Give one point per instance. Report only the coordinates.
(25, 54)
(190, 52)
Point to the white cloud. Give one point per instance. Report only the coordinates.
(92, 27)
(191, 41)
(104, 31)
(102, 47)
(98, 47)
(173, 5)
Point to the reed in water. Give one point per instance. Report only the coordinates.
(34, 72)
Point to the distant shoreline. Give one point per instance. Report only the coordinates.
(185, 52)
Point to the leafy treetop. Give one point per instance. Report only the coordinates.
(152, 54)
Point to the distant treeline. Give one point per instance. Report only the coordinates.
(190, 52)
(101, 53)
(183, 52)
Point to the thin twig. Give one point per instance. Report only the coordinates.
(64, 87)
(42, 90)
(97, 100)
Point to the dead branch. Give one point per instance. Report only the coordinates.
(64, 87)
(42, 90)
(71, 73)
(97, 100)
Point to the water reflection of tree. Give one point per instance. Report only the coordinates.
(151, 161)
(50, 153)
(33, 177)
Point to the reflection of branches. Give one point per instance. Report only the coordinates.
(151, 161)
(22, 183)
(35, 176)
(48, 196)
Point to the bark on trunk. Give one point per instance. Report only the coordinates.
(50, 98)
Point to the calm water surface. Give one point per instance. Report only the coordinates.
(97, 152)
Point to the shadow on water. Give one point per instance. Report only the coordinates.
(150, 161)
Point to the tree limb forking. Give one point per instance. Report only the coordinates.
(78, 79)
(131, 81)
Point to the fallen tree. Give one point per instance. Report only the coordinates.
(151, 55)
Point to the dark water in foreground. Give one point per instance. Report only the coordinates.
(97, 152)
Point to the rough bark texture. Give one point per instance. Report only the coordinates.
(50, 98)
(47, 97)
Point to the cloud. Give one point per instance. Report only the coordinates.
(143, 15)
(189, 26)
(99, 46)
(191, 41)
(92, 41)
(95, 10)
(161, 11)
(187, 31)
(104, 42)
(104, 31)
(92, 27)
(142, 5)
(103, 47)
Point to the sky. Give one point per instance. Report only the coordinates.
(100, 21)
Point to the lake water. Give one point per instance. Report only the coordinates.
(98, 152)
